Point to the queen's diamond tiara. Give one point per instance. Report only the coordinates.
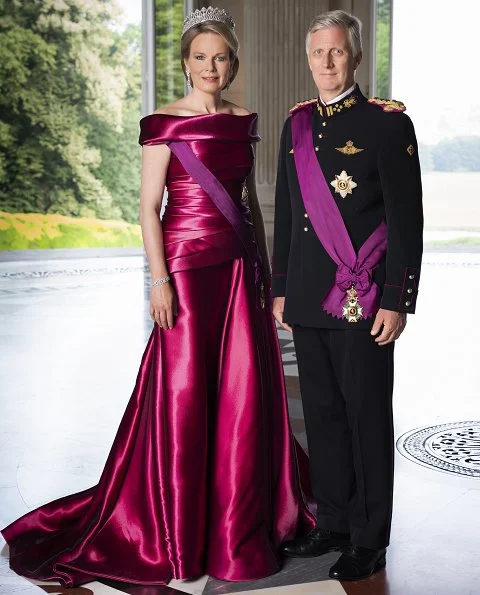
(207, 14)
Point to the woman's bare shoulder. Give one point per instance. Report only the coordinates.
(237, 110)
(177, 108)
(181, 108)
(165, 110)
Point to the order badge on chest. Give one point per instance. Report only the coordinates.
(343, 184)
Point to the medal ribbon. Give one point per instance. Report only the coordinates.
(328, 224)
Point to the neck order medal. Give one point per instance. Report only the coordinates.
(352, 310)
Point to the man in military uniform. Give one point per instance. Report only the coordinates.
(346, 266)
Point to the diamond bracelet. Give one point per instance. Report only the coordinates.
(161, 281)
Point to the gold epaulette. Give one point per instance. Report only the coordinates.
(300, 103)
(388, 105)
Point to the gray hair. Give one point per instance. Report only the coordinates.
(338, 18)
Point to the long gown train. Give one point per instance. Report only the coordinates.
(202, 476)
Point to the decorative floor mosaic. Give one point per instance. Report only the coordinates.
(453, 448)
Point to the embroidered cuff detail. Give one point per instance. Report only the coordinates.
(409, 293)
(404, 298)
(279, 285)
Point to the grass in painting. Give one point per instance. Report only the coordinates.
(30, 231)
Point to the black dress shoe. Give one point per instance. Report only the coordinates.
(317, 542)
(357, 563)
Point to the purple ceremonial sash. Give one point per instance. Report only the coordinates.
(222, 200)
(327, 221)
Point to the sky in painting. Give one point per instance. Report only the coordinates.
(132, 11)
(435, 66)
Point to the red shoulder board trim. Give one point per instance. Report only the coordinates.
(388, 105)
(301, 104)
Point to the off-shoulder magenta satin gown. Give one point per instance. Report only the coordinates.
(202, 477)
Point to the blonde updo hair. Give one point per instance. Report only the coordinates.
(221, 29)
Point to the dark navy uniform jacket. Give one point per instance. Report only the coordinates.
(387, 173)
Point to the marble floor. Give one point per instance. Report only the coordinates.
(72, 332)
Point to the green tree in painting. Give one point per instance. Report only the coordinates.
(69, 107)
(460, 154)
(119, 169)
(169, 15)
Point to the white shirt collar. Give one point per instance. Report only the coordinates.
(340, 97)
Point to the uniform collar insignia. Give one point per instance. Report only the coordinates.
(349, 148)
(343, 105)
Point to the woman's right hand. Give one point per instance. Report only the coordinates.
(163, 305)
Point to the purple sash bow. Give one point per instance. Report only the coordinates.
(329, 226)
(222, 200)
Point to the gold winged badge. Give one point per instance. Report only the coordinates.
(349, 148)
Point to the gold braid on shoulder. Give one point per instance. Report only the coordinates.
(302, 103)
(388, 105)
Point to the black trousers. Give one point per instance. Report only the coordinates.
(346, 381)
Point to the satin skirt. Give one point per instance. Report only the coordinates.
(202, 477)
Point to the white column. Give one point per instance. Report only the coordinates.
(148, 57)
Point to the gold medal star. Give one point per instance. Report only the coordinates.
(343, 184)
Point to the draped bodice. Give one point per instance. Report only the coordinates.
(195, 232)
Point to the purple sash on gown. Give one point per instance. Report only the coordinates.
(224, 203)
(327, 221)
